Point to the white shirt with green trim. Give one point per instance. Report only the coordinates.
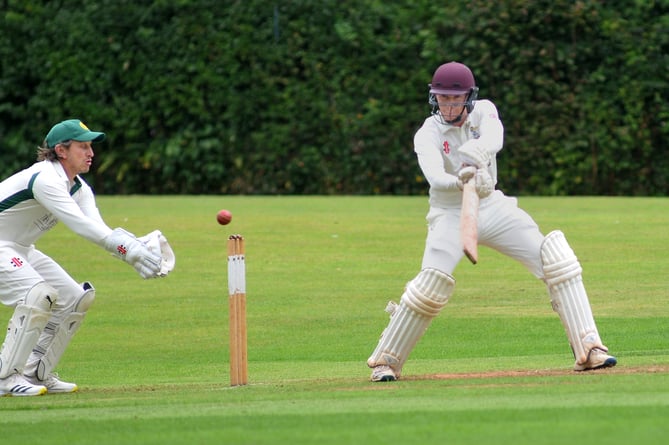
(33, 200)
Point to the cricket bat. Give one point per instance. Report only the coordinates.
(469, 221)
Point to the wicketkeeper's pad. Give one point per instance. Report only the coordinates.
(25, 327)
(57, 335)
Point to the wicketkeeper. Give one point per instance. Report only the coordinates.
(49, 305)
(456, 144)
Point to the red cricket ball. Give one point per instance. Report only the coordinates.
(224, 217)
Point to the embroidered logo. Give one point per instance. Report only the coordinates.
(121, 249)
(16, 262)
(447, 148)
(475, 132)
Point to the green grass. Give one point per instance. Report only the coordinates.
(495, 367)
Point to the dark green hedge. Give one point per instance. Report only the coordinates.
(323, 97)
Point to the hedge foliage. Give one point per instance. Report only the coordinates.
(323, 97)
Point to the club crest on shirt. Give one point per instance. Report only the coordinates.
(46, 222)
(447, 148)
(475, 132)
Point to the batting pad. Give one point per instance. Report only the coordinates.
(423, 299)
(562, 274)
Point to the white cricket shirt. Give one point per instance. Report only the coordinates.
(33, 200)
(437, 147)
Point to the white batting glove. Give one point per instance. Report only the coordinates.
(471, 153)
(483, 184)
(481, 177)
(126, 246)
(465, 174)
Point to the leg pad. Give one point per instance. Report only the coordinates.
(562, 274)
(25, 327)
(423, 299)
(57, 335)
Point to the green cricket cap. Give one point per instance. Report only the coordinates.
(72, 130)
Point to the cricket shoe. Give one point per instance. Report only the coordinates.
(54, 385)
(17, 386)
(597, 358)
(383, 373)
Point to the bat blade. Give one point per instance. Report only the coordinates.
(469, 221)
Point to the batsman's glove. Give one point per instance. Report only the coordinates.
(126, 246)
(471, 153)
(481, 177)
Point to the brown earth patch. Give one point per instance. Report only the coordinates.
(619, 370)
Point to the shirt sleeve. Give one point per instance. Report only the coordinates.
(82, 218)
(487, 124)
(431, 162)
(86, 201)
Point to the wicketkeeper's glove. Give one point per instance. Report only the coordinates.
(126, 246)
(157, 242)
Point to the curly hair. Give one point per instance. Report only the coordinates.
(46, 153)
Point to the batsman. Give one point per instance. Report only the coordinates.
(457, 145)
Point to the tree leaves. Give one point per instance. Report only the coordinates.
(251, 97)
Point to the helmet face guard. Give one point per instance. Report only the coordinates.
(453, 79)
(472, 95)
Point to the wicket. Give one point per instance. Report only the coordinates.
(237, 292)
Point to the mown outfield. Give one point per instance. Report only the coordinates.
(152, 357)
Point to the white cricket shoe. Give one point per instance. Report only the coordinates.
(383, 373)
(597, 358)
(54, 385)
(17, 386)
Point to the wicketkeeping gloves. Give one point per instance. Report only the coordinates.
(157, 242)
(126, 246)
